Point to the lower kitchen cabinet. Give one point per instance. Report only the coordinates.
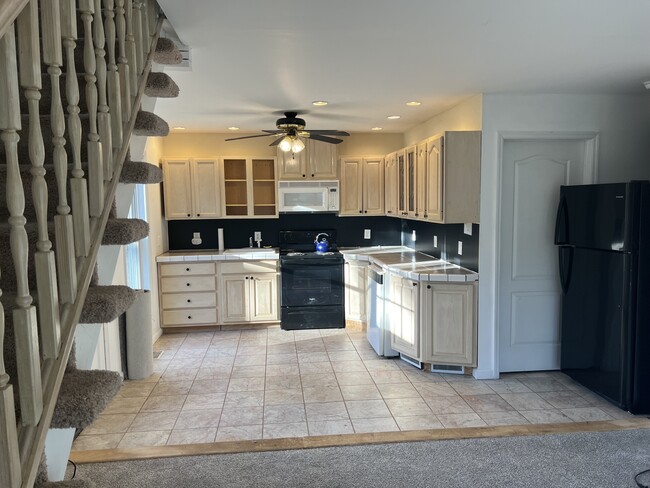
(403, 314)
(249, 292)
(188, 294)
(449, 323)
(356, 286)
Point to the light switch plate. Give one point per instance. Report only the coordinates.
(366, 233)
(258, 236)
(460, 248)
(435, 241)
(413, 236)
(467, 228)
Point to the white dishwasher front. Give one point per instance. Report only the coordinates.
(378, 329)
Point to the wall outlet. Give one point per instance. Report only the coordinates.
(435, 241)
(413, 236)
(258, 236)
(460, 248)
(196, 238)
(467, 229)
(366, 233)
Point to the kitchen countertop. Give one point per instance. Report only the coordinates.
(407, 263)
(243, 254)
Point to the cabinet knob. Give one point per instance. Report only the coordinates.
(390, 211)
(312, 175)
(187, 284)
(198, 215)
(417, 215)
(365, 211)
(187, 269)
(246, 277)
(414, 284)
(188, 215)
(189, 316)
(360, 211)
(304, 176)
(189, 301)
(428, 287)
(426, 216)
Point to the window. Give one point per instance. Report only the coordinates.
(136, 254)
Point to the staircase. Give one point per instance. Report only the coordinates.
(72, 77)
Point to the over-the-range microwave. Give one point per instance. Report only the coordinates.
(308, 196)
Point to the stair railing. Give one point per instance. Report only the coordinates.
(36, 33)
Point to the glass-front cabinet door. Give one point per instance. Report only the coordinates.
(402, 184)
(235, 186)
(264, 203)
(410, 177)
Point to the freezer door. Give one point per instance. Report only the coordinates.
(596, 347)
(596, 216)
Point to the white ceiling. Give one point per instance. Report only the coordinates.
(254, 58)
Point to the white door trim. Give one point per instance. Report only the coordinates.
(591, 140)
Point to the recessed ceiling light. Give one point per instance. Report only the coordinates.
(414, 103)
(178, 127)
(377, 128)
(233, 128)
(319, 103)
(393, 117)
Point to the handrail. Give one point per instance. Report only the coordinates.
(9, 10)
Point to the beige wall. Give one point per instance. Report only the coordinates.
(467, 115)
(205, 144)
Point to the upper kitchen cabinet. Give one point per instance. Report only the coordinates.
(390, 186)
(316, 162)
(191, 189)
(362, 186)
(249, 187)
(453, 176)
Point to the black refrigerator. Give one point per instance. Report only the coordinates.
(603, 234)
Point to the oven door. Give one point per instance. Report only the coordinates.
(303, 199)
(309, 283)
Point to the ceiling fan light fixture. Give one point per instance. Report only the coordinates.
(285, 144)
(297, 145)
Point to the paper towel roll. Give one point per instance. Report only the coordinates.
(220, 238)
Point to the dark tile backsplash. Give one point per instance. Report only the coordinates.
(386, 231)
(448, 237)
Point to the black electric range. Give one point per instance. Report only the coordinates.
(312, 292)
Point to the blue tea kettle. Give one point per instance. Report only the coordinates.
(322, 245)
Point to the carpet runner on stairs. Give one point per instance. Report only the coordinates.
(43, 482)
(167, 52)
(149, 124)
(160, 85)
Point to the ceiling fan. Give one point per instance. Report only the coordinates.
(290, 129)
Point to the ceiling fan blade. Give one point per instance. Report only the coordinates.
(277, 141)
(339, 133)
(327, 139)
(273, 131)
(249, 137)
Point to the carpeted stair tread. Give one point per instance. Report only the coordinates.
(120, 232)
(160, 85)
(106, 303)
(84, 395)
(43, 482)
(140, 172)
(167, 52)
(150, 125)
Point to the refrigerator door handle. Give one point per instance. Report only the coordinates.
(566, 262)
(562, 223)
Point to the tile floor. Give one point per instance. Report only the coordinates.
(269, 383)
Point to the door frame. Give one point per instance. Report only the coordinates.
(591, 140)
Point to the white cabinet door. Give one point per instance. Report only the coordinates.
(410, 155)
(421, 177)
(390, 185)
(404, 316)
(356, 284)
(402, 184)
(351, 186)
(449, 324)
(322, 158)
(263, 289)
(177, 188)
(434, 207)
(206, 188)
(234, 298)
(373, 186)
(293, 166)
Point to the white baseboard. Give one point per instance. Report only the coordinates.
(157, 334)
(486, 374)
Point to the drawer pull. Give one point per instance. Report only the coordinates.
(187, 269)
(187, 284)
(189, 316)
(428, 287)
(189, 301)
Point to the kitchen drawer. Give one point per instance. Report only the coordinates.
(190, 316)
(180, 269)
(187, 283)
(249, 267)
(184, 300)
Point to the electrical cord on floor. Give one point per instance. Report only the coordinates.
(74, 469)
(636, 479)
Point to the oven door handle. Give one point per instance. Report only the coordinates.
(302, 264)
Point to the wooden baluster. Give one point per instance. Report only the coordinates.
(9, 457)
(137, 30)
(24, 315)
(103, 115)
(95, 163)
(64, 235)
(114, 92)
(123, 62)
(30, 80)
(146, 28)
(130, 52)
(78, 184)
